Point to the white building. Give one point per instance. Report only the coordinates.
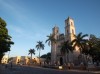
(68, 36)
(4, 59)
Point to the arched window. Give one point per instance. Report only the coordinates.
(71, 23)
(57, 31)
(67, 23)
(67, 31)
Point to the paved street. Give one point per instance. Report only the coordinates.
(39, 70)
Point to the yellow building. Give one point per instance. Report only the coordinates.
(26, 60)
(20, 60)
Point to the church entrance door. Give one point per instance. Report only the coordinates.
(61, 61)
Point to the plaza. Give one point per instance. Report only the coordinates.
(40, 70)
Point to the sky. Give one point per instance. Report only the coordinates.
(29, 21)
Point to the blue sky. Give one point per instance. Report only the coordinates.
(29, 21)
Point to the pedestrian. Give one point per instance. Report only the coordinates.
(40, 63)
(11, 64)
(68, 65)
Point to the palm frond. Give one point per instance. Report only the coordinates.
(31, 51)
(84, 36)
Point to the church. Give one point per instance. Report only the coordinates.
(61, 37)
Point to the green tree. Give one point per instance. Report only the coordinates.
(89, 45)
(94, 48)
(53, 42)
(40, 46)
(51, 39)
(44, 56)
(65, 49)
(31, 51)
(47, 57)
(79, 41)
(5, 39)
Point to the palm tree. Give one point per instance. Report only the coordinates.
(65, 49)
(94, 47)
(47, 57)
(40, 46)
(31, 51)
(51, 39)
(80, 42)
(90, 46)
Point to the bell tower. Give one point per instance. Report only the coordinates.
(55, 33)
(69, 36)
(69, 29)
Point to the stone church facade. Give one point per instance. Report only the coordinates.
(68, 36)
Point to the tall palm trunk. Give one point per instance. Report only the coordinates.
(55, 52)
(52, 53)
(67, 58)
(31, 58)
(39, 55)
(64, 58)
(81, 56)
